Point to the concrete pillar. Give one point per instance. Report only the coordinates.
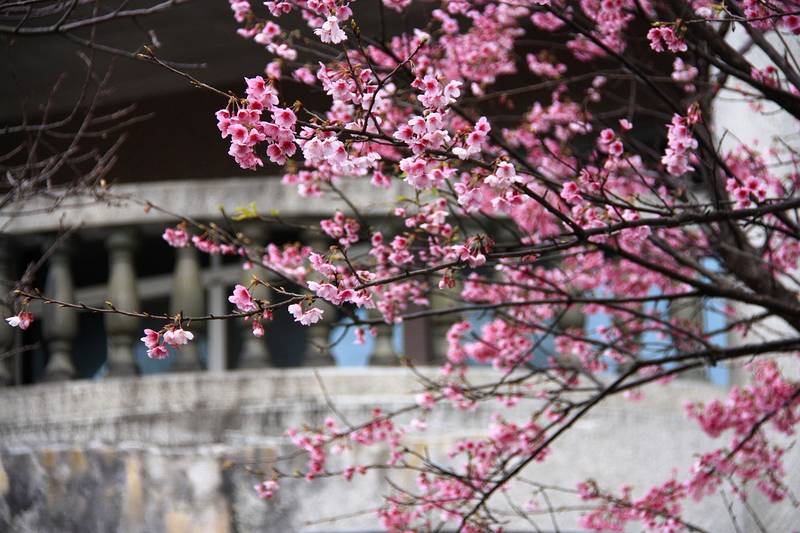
(59, 325)
(573, 318)
(417, 339)
(188, 297)
(217, 329)
(318, 351)
(689, 313)
(7, 334)
(441, 323)
(383, 353)
(255, 353)
(123, 331)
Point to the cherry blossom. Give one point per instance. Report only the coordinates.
(666, 37)
(242, 299)
(151, 338)
(21, 320)
(330, 32)
(307, 317)
(680, 144)
(684, 73)
(158, 352)
(267, 489)
(176, 337)
(176, 237)
(517, 207)
(342, 228)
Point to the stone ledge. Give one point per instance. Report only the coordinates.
(199, 199)
(248, 405)
(258, 389)
(179, 392)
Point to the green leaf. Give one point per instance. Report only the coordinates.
(244, 213)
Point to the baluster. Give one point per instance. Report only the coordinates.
(573, 318)
(7, 334)
(217, 329)
(623, 324)
(417, 338)
(187, 297)
(318, 352)
(383, 354)
(440, 324)
(689, 313)
(255, 353)
(59, 325)
(122, 330)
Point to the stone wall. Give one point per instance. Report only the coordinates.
(181, 452)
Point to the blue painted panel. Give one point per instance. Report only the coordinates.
(346, 352)
(714, 319)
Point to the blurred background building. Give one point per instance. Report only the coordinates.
(94, 436)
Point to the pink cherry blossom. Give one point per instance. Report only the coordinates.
(177, 337)
(792, 23)
(684, 73)
(681, 142)
(158, 352)
(425, 399)
(306, 318)
(457, 116)
(176, 237)
(666, 36)
(577, 261)
(283, 117)
(330, 32)
(21, 320)
(242, 299)
(571, 192)
(267, 489)
(151, 338)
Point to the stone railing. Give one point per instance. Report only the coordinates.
(118, 237)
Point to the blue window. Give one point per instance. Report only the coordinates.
(349, 354)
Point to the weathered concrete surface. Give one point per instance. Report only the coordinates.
(178, 452)
(108, 489)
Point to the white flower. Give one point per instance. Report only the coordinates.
(330, 32)
(312, 316)
(21, 320)
(178, 337)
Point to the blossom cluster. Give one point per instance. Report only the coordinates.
(157, 342)
(246, 128)
(21, 320)
(666, 38)
(518, 199)
(750, 458)
(523, 204)
(680, 144)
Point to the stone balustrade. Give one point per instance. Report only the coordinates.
(125, 238)
(191, 289)
(123, 241)
(195, 288)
